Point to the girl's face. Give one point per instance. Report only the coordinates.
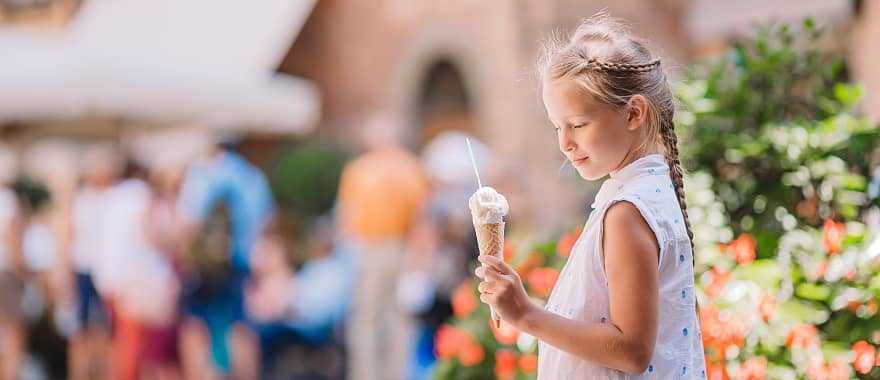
(595, 138)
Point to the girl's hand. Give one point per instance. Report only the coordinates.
(502, 288)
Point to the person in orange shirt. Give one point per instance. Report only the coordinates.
(381, 193)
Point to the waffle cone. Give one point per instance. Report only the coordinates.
(490, 238)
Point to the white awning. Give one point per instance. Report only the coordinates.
(202, 61)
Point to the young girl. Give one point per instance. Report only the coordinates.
(624, 305)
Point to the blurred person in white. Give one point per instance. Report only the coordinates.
(380, 195)
(222, 186)
(139, 281)
(89, 344)
(159, 346)
(299, 314)
(12, 330)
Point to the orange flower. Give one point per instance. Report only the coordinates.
(864, 354)
(742, 249)
(820, 269)
(566, 242)
(720, 332)
(506, 334)
(464, 300)
(838, 370)
(802, 336)
(542, 280)
(716, 372)
(528, 363)
(832, 236)
(509, 251)
(448, 340)
(505, 364)
(471, 352)
(753, 369)
(767, 308)
(534, 260)
(719, 280)
(853, 306)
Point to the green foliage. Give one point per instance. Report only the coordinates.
(305, 179)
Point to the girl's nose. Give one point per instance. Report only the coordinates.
(566, 142)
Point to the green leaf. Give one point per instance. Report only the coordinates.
(848, 95)
(767, 274)
(801, 311)
(813, 292)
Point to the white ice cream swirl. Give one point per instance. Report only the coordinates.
(488, 206)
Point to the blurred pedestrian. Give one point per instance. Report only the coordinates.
(89, 344)
(380, 194)
(12, 329)
(222, 188)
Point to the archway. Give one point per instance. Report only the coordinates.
(444, 103)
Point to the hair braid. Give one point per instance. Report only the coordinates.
(611, 66)
(676, 173)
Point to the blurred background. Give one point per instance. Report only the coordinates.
(276, 189)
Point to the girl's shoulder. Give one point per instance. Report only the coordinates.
(656, 200)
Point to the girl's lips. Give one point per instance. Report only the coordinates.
(580, 160)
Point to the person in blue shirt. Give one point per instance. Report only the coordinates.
(232, 198)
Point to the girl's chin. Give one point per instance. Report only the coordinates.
(590, 175)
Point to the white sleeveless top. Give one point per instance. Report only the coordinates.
(582, 289)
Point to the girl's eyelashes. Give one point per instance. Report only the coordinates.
(574, 126)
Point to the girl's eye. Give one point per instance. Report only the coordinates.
(580, 125)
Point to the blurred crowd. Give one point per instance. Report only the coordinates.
(153, 268)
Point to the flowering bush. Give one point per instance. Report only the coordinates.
(784, 208)
(470, 347)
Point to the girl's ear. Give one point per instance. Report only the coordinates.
(637, 112)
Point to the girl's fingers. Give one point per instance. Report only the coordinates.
(487, 298)
(484, 287)
(495, 263)
(489, 274)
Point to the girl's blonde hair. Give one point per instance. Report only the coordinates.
(612, 65)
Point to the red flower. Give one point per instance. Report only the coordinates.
(716, 372)
(542, 280)
(505, 364)
(719, 280)
(820, 269)
(767, 308)
(506, 334)
(452, 341)
(838, 370)
(832, 236)
(742, 249)
(508, 251)
(753, 369)
(566, 242)
(802, 336)
(448, 340)
(464, 300)
(853, 306)
(528, 363)
(865, 354)
(534, 260)
(471, 352)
